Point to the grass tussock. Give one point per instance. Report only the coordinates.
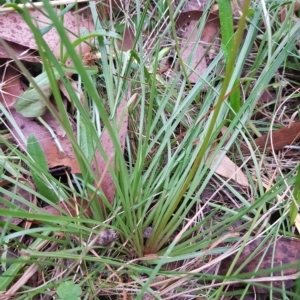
(149, 214)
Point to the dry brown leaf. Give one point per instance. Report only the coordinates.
(128, 38)
(71, 208)
(281, 138)
(228, 169)
(99, 164)
(192, 5)
(67, 157)
(65, 92)
(68, 207)
(21, 52)
(53, 155)
(10, 84)
(286, 251)
(284, 9)
(187, 30)
(15, 30)
(266, 97)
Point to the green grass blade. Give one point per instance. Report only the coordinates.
(294, 210)
(226, 20)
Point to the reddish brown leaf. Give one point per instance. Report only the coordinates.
(281, 138)
(54, 156)
(286, 251)
(266, 97)
(15, 30)
(21, 52)
(107, 185)
(67, 157)
(65, 92)
(10, 84)
(52, 153)
(285, 8)
(128, 38)
(187, 30)
(193, 5)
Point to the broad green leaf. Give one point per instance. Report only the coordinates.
(36, 152)
(69, 291)
(43, 80)
(86, 141)
(30, 104)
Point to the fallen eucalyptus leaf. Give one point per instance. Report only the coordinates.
(228, 169)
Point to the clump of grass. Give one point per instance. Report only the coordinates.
(161, 181)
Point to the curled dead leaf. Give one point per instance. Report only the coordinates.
(271, 253)
(280, 138)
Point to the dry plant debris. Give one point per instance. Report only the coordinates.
(11, 85)
(268, 253)
(228, 169)
(196, 52)
(276, 140)
(15, 31)
(18, 35)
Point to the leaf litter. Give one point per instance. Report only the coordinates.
(194, 51)
(15, 30)
(202, 50)
(55, 156)
(11, 85)
(276, 140)
(263, 254)
(197, 50)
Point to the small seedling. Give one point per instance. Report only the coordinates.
(69, 291)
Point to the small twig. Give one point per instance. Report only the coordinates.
(52, 133)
